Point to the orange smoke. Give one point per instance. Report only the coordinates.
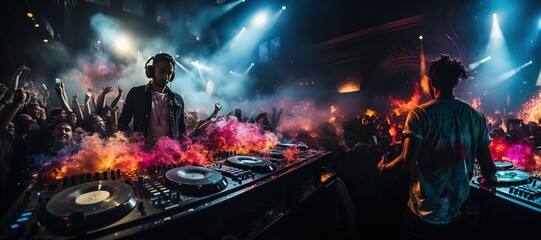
(403, 107)
(291, 152)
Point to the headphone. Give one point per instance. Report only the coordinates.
(149, 69)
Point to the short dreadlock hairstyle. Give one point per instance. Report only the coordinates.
(446, 72)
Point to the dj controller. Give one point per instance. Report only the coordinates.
(513, 185)
(207, 201)
(512, 203)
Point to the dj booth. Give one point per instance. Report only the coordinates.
(234, 197)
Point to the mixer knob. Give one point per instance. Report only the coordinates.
(105, 175)
(65, 181)
(534, 182)
(88, 177)
(97, 176)
(118, 172)
(175, 196)
(73, 180)
(511, 189)
(141, 206)
(82, 178)
(163, 200)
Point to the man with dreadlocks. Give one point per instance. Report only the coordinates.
(443, 138)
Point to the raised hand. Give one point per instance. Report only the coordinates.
(119, 90)
(19, 95)
(46, 93)
(21, 69)
(89, 93)
(107, 89)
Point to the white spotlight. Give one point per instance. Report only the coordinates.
(421, 37)
(122, 44)
(283, 7)
(260, 19)
(476, 64)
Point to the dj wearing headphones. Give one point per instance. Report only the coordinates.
(155, 109)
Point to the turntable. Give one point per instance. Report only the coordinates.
(196, 180)
(512, 176)
(297, 145)
(502, 165)
(273, 153)
(509, 178)
(87, 206)
(254, 164)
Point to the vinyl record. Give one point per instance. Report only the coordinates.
(196, 180)
(254, 164)
(87, 206)
(273, 153)
(501, 165)
(512, 176)
(297, 145)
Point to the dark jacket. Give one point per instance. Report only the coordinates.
(138, 106)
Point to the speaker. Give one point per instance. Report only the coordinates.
(149, 69)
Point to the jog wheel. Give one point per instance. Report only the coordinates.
(88, 206)
(196, 180)
(251, 163)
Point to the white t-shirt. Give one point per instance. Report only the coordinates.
(159, 115)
